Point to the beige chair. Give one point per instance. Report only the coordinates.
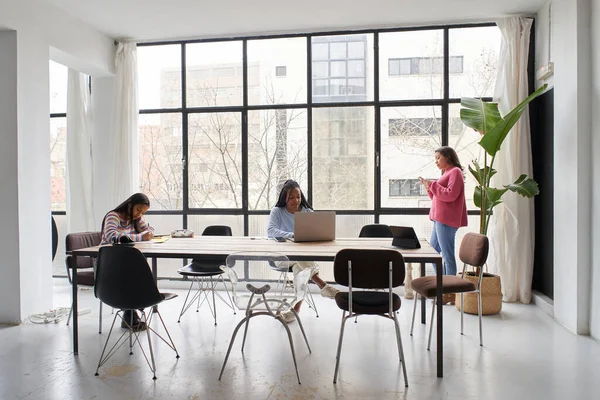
(474, 250)
(82, 266)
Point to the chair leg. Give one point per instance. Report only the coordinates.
(462, 313)
(70, 313)
(245, 332)
(431, 323)
(400, 349)
(339, 348)
(153, 366)
(100, 319)
(185, 302)
(480, 314)
(301, 328)
(289, 333)
(310, 300)
(235, 331)
(412, 324)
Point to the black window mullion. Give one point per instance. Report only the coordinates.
(309, 167)
(377, 131)
(245, 194)
(445, 134)
(184, 137)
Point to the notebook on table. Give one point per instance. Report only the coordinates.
(317, 226)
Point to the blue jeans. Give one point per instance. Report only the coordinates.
(442, 240)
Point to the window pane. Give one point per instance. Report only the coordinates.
(265, 56)
(214, 75)
(58, 154)
(276, 152)
(466, 143)
(159, 76)
(160, 160)
(215, 160)
(418, 78)
(479, 48)
(198, 223)
(343, 158)
(320, 51)
(409, 137)
(347, 57)
(59, 75)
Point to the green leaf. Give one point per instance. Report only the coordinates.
(525, 186)
(478, 114)
(493, 138)
(493, 197)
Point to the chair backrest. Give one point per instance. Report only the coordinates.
(124, 280)
(370, 268)
(217, 230)
(252, 260)
(376, 231)
(474, 249)
(54, 237)
(81, 240)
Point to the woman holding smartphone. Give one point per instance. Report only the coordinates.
(448, 208)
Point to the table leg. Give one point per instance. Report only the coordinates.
(440, 324)
(423, 299)
(408, 291)
(155, 275)
(75, 312)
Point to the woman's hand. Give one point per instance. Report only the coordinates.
(425, 182)
(148, 235)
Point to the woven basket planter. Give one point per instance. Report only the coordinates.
(491, 295)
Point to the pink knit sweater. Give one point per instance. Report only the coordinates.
(447, 195)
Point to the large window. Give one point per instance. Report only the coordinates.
(355, 117)
(58, 135)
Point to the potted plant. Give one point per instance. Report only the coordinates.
(485, 118)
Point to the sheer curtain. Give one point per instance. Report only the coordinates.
(124, 168)
(511, 229)
(80, 202)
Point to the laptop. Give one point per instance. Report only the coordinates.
(405, 237)
(317, 226)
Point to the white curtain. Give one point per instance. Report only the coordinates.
(80, 202)
(511, 229)
(125, 160)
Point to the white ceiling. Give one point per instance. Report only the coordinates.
(145, 20)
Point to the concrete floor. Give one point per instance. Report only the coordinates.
(526, 355)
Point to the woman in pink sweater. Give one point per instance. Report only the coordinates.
(448, 207)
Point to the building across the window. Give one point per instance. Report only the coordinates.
(415, 126)
(406, 188)
(424, 65)
(281, 71)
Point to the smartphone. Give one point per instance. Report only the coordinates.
(280, 239)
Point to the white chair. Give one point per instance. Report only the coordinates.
(261, 300)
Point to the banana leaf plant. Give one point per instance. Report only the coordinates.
(485, 118)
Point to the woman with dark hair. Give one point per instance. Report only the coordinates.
(127, 220)
(281, 224)
(448, 208)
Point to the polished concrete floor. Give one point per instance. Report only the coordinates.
(526, 355)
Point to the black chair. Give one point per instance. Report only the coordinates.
(201, 272)
(125, 282)
(474, 249)
(371, 270)
(82, 266)
(376, 231)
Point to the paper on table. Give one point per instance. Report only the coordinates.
(161, 239)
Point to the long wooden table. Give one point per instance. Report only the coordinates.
(207, 246)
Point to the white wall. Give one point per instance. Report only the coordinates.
(595, 132)
(573, 163)
(26, 286)
(8, 175)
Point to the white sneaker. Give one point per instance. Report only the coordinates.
(329, 291)
(288, 316)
